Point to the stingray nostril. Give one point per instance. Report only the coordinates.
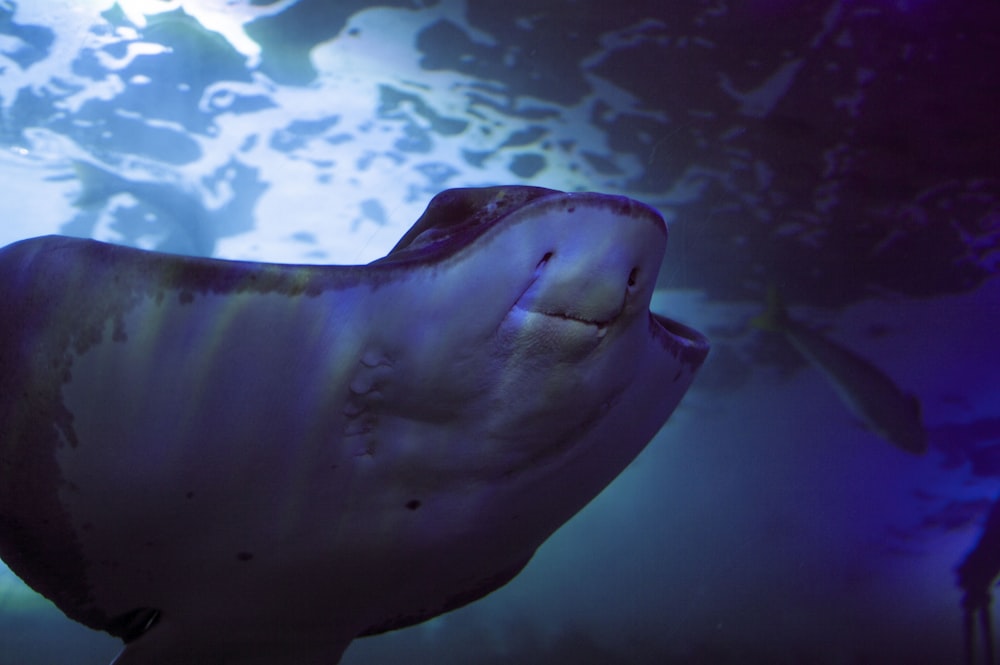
(545, 259)
(633, 276)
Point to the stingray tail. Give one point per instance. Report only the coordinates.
(775, 316)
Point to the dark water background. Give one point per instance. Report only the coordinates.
(845, 151)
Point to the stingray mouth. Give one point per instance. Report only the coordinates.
(562, 316)
(595, 301)
(600, 324)
(563, 323)
(540, 326)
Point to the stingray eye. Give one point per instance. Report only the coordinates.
(545, 259)
(633, 276)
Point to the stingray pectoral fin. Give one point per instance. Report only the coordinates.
(96, 184)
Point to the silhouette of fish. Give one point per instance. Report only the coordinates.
(181, 208)
(246, 463)
(864, 388)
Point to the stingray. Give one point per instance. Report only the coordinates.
(241, 463)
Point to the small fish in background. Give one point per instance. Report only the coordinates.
(864, 388)
(976, 575)
(187, 221)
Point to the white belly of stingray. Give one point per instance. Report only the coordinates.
(269, 461)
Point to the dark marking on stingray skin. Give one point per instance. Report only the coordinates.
(29, 481)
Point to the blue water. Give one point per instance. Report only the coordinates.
(844, 151)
